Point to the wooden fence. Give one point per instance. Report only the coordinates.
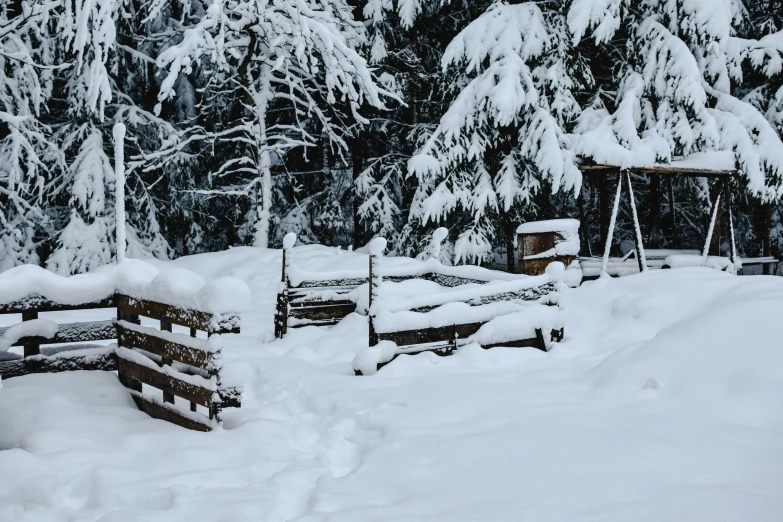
(179, 364)
(443, 340)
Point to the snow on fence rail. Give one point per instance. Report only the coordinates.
(180, 365)
(503, 313)
(324, 298)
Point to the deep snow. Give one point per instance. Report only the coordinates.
(663, 403)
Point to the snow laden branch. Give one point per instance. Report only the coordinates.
(295, 55)
(496, 142)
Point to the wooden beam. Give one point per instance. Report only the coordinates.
(672, 171)
(190, 318)
(191, 392)
(73, 333)
(96, 360)
(169, 413)
(163, 348)
(41, 304)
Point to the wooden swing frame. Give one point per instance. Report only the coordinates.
(723, 192)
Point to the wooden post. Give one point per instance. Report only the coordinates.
(31, 349)
(584, 230)
(715, 222)
(377, 246)
(612, 223)
(654, 237)
(640, 257)
(165, 325)
(281, 312)
(123, 315)
(193, 405)
(733, 244)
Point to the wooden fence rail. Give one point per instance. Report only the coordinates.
(178, 364)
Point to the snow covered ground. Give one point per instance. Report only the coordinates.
(663, 403)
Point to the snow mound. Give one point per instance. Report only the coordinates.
(176, 286)
(728, 352)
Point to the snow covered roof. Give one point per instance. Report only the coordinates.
(709, 163)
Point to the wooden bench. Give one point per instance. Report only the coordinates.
(324, 300)
(179, 364)
(445, 339)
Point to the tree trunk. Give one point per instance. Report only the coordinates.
(510, 234)
(357, 160)
(264, 164)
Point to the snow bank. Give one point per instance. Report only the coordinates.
(445, 315)
(392, 267)
(368, 359)
(34, 327)
(714, 262)
(520, 325)
(176, 287)
(728, 353)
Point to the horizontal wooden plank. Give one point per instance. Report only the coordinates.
(588, 168)
(301, 323)
(41, 304)
(312, 303)
(322, 311)
(104, 360)
(230, 397)
(430, 335)
(169, 413)
(225, 323)
(73, 333)
(165, 382)
(165, 348)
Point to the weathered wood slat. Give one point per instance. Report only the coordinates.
(73, 333)
(41, 304)
(100, 360)
(301, 323)
(226, 323)
(164, 348)
(230, 397)
(169, 413)
(327, 311)
(445, 348)
(430, 335)
(197, 394)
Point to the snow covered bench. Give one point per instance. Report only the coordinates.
(178, 364)
(325, 298)
(516, 313)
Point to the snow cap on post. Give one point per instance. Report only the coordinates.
(118, 132)
(437, 238)
(289, 240)
(440, 234)
(377, 246)
(555, 271)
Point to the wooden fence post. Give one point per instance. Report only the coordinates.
(165, 326)
(377, 246)
(281, 312)
(31, 349)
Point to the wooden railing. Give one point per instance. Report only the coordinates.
(179, 364)
(97, 358)
(444, 340)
